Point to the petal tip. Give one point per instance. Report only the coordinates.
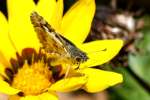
(120, 42)
(119, 78)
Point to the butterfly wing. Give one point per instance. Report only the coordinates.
(47, 35)
(55, 43)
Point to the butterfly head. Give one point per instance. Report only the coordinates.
(79, 56)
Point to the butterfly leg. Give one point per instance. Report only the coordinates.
(78, 66)
(67, 71)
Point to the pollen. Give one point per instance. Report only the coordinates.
(32, 72)
(33, 79)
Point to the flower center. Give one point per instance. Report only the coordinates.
(33, 79)
(32, 72)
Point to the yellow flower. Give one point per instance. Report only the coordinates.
(25, 70)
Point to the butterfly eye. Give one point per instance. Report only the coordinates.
(78, 59)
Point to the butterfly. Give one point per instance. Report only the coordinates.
(54, 43)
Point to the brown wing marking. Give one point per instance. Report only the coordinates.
(46, 35)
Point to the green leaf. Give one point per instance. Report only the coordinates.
(146, 22)
(130, 89)
(140, 62)
(140, 65)
(144, 44)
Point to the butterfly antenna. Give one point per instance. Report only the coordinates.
(102, 50)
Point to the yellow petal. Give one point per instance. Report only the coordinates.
(1, 78)
(6, 49)
(100, 52)
(44, 96)
(14, 97)
(77, 21)
(30, 98)
(47, 9)
(98, 80)
(57, 16)
(2, 70)
(48, 96)
(21, 30)
(3, 24)
(68, 84)
(7, 89)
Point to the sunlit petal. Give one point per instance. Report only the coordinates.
(6, 49)
(57, 17)
(100, 52)
(47, 9)
(3, 24)
(5, 88)
(21, 30)
(43, 96)
(98, 80)
(48, 96)
(2, 69)
(77, 21)
(14, 97)
(68, 84)
(30, 97)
